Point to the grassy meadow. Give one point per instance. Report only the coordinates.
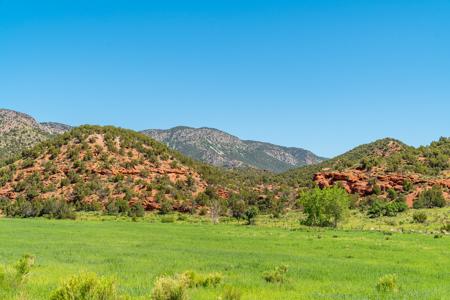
(323, 264)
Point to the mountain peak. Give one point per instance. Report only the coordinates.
(20, 131)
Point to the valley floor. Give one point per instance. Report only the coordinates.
(323, 264)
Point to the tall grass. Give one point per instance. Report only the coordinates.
(326, 264)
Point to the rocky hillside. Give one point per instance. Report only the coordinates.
(55, 128)
(383, 166)
(222, 149)
(92, 166)
(19, 131)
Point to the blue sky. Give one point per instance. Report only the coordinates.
(323, 75)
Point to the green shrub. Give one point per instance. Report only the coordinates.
(168, 219)
(387, 283)
(116, 207)
(237, 207)
(90, 206)
(392, 194)
(379, 207)
(86, 286)
(325, 207)
(376, 189)
(21, 208)
(231, 293)
(169, 288)
(430, 198)
(51, 208)
(407, 186)
(250, 215)
(136, 210)
(122, 206)
(276, 276)
(28, 163)
(58, 209)
(420, 217)
(192, 279)
(395, 207)
(12, 277)
(369, 163)
(24, 265)
(211, 280)
(182, 217)
(166, 205)
(376, 209)
(446, 227)
(111, 208)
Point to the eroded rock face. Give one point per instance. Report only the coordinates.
(362, 183)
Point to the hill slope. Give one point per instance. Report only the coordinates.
(94, 166)
(19, 131)
(222, 149)
(303, 176)
(378, 167)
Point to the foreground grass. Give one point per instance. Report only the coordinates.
(322, 264)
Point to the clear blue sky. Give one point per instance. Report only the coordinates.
(324, 75)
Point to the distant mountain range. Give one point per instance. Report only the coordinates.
(19, 131)
(222, 149)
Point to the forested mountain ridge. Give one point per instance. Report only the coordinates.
(224, 150)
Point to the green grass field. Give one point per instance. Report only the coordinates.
(323, 264)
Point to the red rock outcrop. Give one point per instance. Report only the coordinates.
(362, 183)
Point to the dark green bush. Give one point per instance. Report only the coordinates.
(433, 197)
(90, 206)
(28, 163)
(116, 207)
(166, 205)
(51, 208)
(376, 189)
(420, 217)
(446, 227)
(136, 210)
(122, 206)
(250, 215)
(407, 186)
(380, 207)
(111, 208)
(237, 207)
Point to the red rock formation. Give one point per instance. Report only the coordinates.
(359, 182)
